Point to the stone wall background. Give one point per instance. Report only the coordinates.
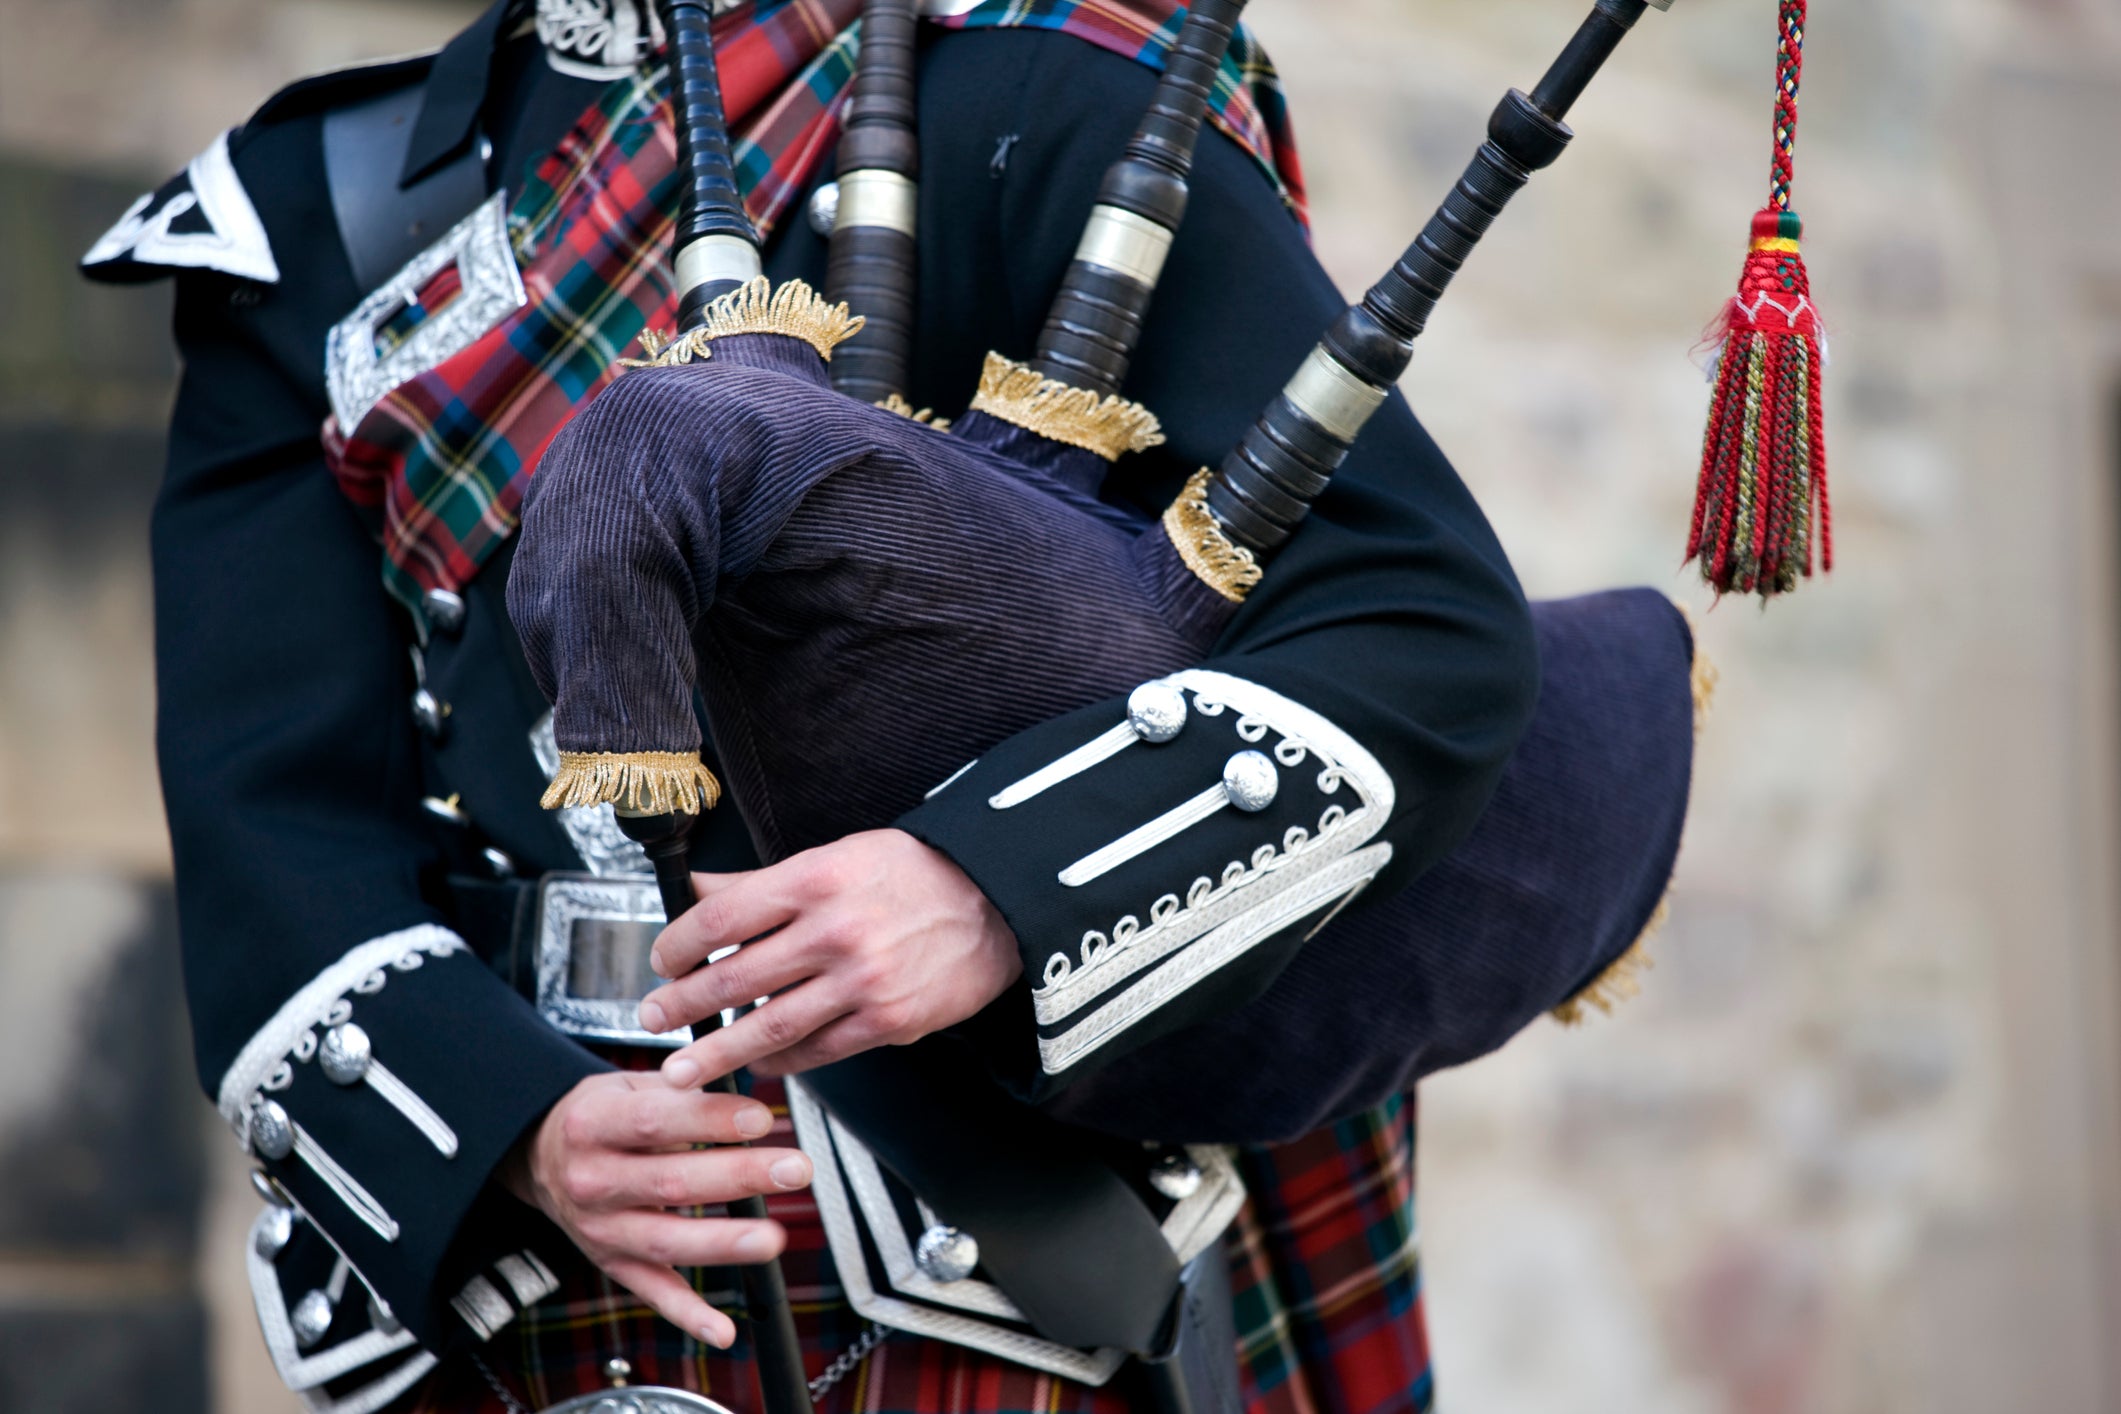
(1858, 1145)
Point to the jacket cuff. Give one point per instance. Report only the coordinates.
(378, 1101)
(1159, 856)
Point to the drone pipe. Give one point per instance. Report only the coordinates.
(1270, 480)
(716, 246)
(871, 264)
(1095, 323)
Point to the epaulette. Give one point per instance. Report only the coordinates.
(202, 218)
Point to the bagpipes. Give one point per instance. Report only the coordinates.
(802, 558)
(755, 517)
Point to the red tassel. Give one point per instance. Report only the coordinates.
(1762, 518)
(1763, 495)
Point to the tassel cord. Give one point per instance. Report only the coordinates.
(1762, 518)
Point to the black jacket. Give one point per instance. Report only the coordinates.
(312, 884)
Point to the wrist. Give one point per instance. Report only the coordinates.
(513, 1174)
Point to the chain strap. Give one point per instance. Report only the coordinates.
(515, 1406)
(849, 1360)
(843, 1365)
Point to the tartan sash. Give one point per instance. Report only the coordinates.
(440, 463)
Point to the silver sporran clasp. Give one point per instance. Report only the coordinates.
(639, 1399)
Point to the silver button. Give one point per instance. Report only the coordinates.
(618, 1371)
(1156, 711)
(272, 1133)
(311, 1318)
(503, 867)
(445, 609)
(1251, 780)
(449, 812)
(825, 208)
(345, 1054)
(268, 1188)
(946, 1254)
(380, 1317)
(274, 1232)
(1175, 1176)
(430, 712)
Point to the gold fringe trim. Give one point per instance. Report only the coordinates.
(1704, 677)
(642, 782)
(794, 309)
(897, 405)
(1622, 978)
(1229, 570)
(665, 352)
(1107, 426)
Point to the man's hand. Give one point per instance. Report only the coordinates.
(876, 940)
(609, 1160)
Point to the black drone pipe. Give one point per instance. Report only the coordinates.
(871, 265)
(717, 250)
(1096, 321)
(1271, 479)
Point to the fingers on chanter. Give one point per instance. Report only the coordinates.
(700, 1176)
(835, 1041)
(761, 969)
(786, 1021)
(672, 1297)
(653, 1116)
(748, 906)
(678, 1240)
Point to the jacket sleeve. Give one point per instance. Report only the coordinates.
(355, 1046)
(1374, 684)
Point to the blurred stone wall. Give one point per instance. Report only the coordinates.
(122, 1203)
(1854, 1149)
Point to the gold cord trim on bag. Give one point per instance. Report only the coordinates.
(640, 782)
(1622, 978)
(897, 405)
(1230, 570)
(1107, 426)
(794, 309)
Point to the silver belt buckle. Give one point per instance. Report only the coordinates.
(594, 933)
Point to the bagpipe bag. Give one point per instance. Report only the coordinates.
(871, 604)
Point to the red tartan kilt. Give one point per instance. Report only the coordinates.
(1322, 1261)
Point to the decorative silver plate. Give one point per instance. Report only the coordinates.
(594, 935)
(358, 375)
(592, 829)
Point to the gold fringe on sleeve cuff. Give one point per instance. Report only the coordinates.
(1622, 979)
(1229, 570)
(756, 308)
(1107, 426)
(640, 782)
